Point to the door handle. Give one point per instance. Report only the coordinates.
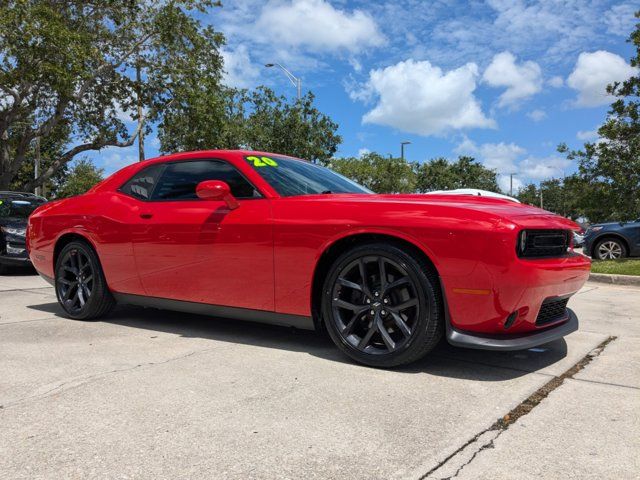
(146, 215)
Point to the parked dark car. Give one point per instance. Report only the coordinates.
(15, 208)
(606, 241)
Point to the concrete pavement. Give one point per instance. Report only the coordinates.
(151, 394)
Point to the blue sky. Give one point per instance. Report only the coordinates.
(502, 80)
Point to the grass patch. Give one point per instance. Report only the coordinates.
(625, 266)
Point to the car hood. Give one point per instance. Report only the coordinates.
(486, 204)
(15, 222)
(520, 214)
(611, 224)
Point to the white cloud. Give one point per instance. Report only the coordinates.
(240, 71)
(505, 158)
(593, 72)
(498, 156)
(363, 151)
(620, 19)
(537, 115)
(556, 82)
(420, 98)
(587, 135)
(543, 168)
(316, 25)
(115, 158)
(504, 182)
(521, 81)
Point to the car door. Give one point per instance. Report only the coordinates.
(202, 251)
(632, 230)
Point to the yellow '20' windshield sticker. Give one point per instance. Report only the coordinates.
(262, 161)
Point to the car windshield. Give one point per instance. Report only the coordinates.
(291, 177)
(17, 208)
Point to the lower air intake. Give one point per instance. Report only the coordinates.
(552, 310)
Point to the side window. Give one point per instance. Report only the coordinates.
(179, 180)
(141, 185)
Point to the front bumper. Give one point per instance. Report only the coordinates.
(15, 260)
(587, 246)
(459, 338)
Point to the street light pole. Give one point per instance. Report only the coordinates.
(402, 144)
(292, 78)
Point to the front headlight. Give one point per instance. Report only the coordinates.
(17, 231)
(595, 229)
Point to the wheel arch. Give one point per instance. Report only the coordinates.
(65, 239)
(613, 235)
(334, 249)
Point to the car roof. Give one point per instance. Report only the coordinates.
(115, 180)
(196, 154)
(21, 195)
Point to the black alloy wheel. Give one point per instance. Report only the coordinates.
(382, 306)
(80, 284)
(75, 281)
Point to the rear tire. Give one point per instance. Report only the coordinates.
(609, 249)
(80, 285)
(382, 306)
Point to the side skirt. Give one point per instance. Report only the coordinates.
(260, 316)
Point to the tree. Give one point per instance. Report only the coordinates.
(561, 196)
(212, 117)
(51, 148)
(529, 194)
(82, 176)
(610, 168)
(73, 65)
(440, 174)
(376, 172)
(299, 130)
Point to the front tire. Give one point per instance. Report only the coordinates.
(382, 306)
(80, 284)
(609, 249)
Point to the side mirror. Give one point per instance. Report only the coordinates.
(216, 190)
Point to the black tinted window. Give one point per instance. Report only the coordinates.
(297, 177)
(18, 208)
(179, 180)
(142, 184)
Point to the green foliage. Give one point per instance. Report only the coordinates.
(260, 120)
(561, 196)
(440, 174)
(51, 148)
(71, 65)
(82, 175)
(395, 175)
(624, 266)
(376, 172)
(610, 169)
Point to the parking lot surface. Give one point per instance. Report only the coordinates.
(156, 394)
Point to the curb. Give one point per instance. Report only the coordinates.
(615, 279)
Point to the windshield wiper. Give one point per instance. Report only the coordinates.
(325, 192)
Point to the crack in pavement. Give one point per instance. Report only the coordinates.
(81, 381)
(28, 321)
(522, 409)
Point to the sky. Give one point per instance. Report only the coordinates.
(504, 81)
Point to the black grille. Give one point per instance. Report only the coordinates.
(543, 243)
(552, 310)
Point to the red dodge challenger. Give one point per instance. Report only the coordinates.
(265, 237)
